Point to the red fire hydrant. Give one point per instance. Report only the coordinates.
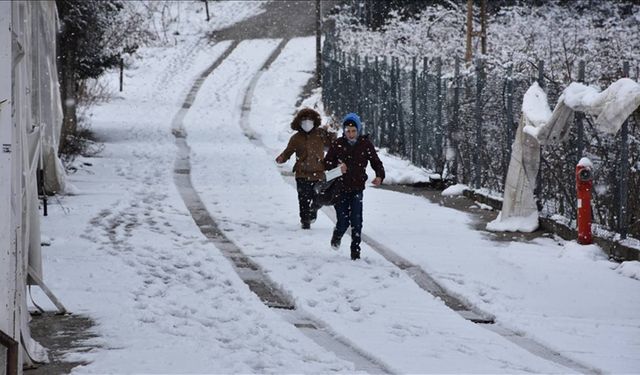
(584, 184)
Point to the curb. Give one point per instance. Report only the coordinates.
(614, 249)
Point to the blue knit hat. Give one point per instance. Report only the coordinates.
(352, 118)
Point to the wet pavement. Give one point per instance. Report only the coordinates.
(61, 335)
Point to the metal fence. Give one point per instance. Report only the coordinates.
(461, 124)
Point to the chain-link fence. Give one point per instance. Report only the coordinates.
(461, 123)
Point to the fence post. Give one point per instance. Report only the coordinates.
(425, 143)
(580, 117)
(384, 107)
(375, 104)
(624, 169)
(392, 112)
(121, 66)
(339, 80)
(541, 73)
(358, 86)
(508, 123)
(537, 191)
(414, 110)
(366, 93)
(477, 157)
(402, 135)
(439, 131)
(342, 83)
(318, 43)
(327, 65)
(454, 127)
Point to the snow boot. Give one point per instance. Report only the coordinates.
(306, 225)
(355, 252)
(335, 241)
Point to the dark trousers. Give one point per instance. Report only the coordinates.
(306, 200)
(349, 213)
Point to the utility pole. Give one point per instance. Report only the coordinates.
(470, 33)
(318, 45)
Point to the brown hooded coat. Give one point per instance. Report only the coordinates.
(308, 147)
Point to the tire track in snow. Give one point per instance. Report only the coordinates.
(458, 304)
(419, 275)
(249, 271)
(470, 312)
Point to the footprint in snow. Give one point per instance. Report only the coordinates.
(308, 278)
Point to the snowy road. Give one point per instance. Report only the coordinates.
(257, 214)
(126, 251)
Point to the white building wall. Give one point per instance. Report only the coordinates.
(8, 251)
(30, 112)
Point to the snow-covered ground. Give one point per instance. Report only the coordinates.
(125, 251)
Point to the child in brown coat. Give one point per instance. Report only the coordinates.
(308, 143)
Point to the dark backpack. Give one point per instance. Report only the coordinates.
(328, 192)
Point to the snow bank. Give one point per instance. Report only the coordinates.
(630, 269)
(399, 170)
(457, 189)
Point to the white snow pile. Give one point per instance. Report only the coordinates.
(457, 189)
(401, 171)
(525, 224)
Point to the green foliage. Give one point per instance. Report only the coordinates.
(83, 40)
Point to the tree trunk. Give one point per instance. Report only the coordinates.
(68, 93)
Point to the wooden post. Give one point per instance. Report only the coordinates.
(121, 72)
(470, 33)
(34, 276)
